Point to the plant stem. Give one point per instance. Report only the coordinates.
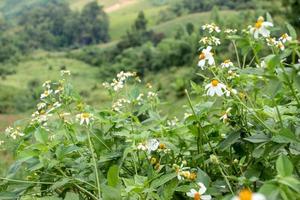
(95, 164)
(237, 54)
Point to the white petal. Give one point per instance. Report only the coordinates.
(219, 91)
(205, 197)
(208, 49)
(208, 86)
(202, 188)
(258, 196)
(267, 24)
(264, 32)
(191, 193)
(235, 198)
(201, 63)
(211, 60)
(255, 34)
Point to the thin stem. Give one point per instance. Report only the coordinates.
(95, 164)
(226, 179)
(84, 190)
(237, 54)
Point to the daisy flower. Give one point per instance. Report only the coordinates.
(227, 63)
(246, 194)
(232, 74)
(206, 55)
(84, 118)
(45, 94)
(224, 117)
(260, 28)
(215, 87)
(271, 41)
(285, 38)
(280, 46)
(198, 195)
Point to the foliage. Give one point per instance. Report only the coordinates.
(242, 134)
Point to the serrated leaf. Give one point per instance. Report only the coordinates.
(284, 166)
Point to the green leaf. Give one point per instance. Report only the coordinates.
(71, 196)
(297, 82)
(270, 190)
(41, 135)
(258, 138)
(203, 177)
(291, 182)
(110, 193)
(60, 183)
(269, 17)
(231, 139)
(285, 136)
(273, 87)
(272, 61)
(284, 166)
(113, 176)
(162, 180)
(292, 31)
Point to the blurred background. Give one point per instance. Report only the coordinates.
(97, 39)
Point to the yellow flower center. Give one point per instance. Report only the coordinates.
(284, 36)
(245, 194)
(85, 115)
(197, 196)
(259, 22)
(214, 82)
(227, 61)
(201, 56)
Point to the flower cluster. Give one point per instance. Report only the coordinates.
(119, 82)
(211, 28)
(14, 133)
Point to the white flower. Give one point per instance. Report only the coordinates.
(46, 94)
(41, 105)
(1, 142)
(230, 31)
(198, 195)
(119, 104)
(260, 28)
(271, 41)
(151, 95)
(212, 40)
(14, 133)
(186, 115)
(46, 84)
(55, 106)
(211, 28)
(227, 63)
(285, 38)
(224, 117)
(172, 122)
(152, 145)
(206, 55)
(230, 91)
(58, 90)
(215, 87)
(262, 64)
(65, 72)
(142, 147)
(246, 194)
(280, 46)
(85, 118)
(232, 74)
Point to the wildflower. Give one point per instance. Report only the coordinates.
(119, 104)
(285, 38)
(172, 122)
(152, 145)
(41, 105)
(85, 118)
(224, 117)
(280, 46)
(148, 85)
(230, 31)
(46, 84)
(271, 41)
(215, 87)
(246, 194)
(45, 94)
(262, 64)
(232, 74)
(260, 28)
(55, 106)
(153, 160)
(230, 91)
(206, 55)
(212, 40)
(58, 90)
(142, 147)
(214, 159)
(186, 115)
(211, 28)
(14, 133)
(227, 63)
(1, 142)
(140, 98)
(151, 95)
(181, 171)
(65, 72)
(198, 195)
(235, 161)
